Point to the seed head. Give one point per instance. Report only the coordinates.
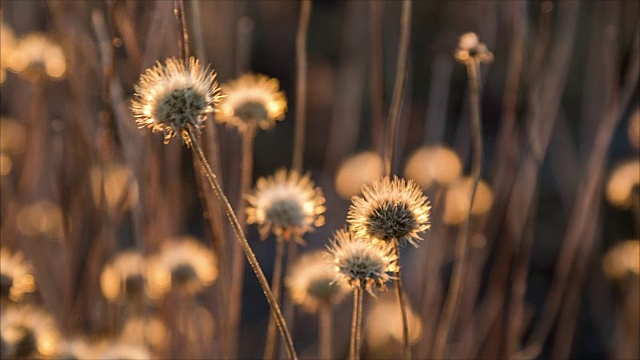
(287, 204)
(124, 278)
(174, 96)
(390, 209)
(471, 49)
(311, 282)
(623, 181)
(252, 99)
(15, 276)
(360, 263)
(29, 331)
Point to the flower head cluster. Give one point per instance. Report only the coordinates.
(360, 263)
(251, 100)
(390, 209)
(175, 96)
(311, 282)
(15, 276)
(287, 204)
(471, 49)
(28, 332)
(189, 264)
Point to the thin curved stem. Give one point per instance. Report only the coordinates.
(237, 229)
(301, 85)
(406, 349)
(459, 268)
(325, 331)
(276, 286)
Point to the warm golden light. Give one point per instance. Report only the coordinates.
(360, 169)
(623, 258)
(438, 164)
(623, 181)
(457, 200)
(117, 184)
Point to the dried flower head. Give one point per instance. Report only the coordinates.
(15, 276)
(189, 264)
(287, 204)
(623, 181)
(456, 206)
(124, 278)
(390, 209)
(471, 49)
(250, 100)
(384, 325)
(29, 331)
(429, 164)
(358, 170)
(36, 54)
(622, 259)
(311, 282)
(360, 263)
(174, 96)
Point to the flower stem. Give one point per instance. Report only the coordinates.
(457, 279)
(237, 229)
(356, 324)
(183, 41)
(276, 280)
(301, 84)
(325, 327)
(406, 349)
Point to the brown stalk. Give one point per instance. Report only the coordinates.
(325, 331)
(301, 85)
(276, 286)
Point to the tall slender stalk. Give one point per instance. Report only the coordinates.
(325, 332)
(276, 285)
(356, 325)
(392, 127)
(183, 41)
(301, 85)
(457, 280)
(237, 229)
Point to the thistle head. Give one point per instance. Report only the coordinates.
(29, 332)
(390, 210)
(287, 203)
(360, 263)
(175, 96)
(471, 49)
(15, 276)
(252, 100)
(124, 278)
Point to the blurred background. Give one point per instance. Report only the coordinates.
(86, 197)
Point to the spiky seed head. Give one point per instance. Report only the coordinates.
(15, 276)
(471, 49)
(250, 100)
(311, 282)
(360, 263)
(173, 96)
(29, 331)
(390, 209)
(287, 203)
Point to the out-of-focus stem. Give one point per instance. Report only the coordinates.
(276, 280)
(325, 327)
(301, 85)
(183, 48)
(457, 280)
(377, 81)
(237, 229)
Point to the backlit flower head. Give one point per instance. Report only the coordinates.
(15, 276)
(124, 278)
(189, 264)
(360, 263)
(287, 204)
(29, 331)
(622, 259)
(622, 182)
(173, 96)
(430, 164)
(252, 99)
(311, 282)
(471, 49)
(358, 170)
(390, 209)
(36, 54)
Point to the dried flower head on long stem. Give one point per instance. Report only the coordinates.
(287, 204)
(250, 100)
(360, 263)
(173, 96)
(390, 209)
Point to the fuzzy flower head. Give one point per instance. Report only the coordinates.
(15, 276)
(471, 49)
(311, 282)
(287, 204)
(29, 332)
(390, 209)
(623, 181)
(250, 100)
(184, 264)
(360, 263)
(174, 96)
(124, 278)
(622, 259)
